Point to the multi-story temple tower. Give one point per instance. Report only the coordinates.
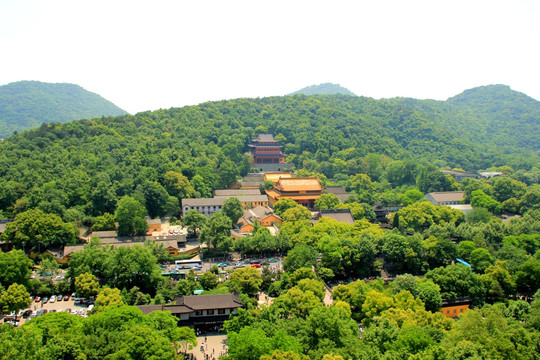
(266, 150)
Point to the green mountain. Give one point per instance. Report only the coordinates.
(83, 167)
(323, 89)
(504, 115)
(28, 104)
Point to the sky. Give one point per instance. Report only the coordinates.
(147, 55)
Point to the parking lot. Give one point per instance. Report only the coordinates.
(57, 306)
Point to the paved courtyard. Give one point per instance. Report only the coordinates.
(209, 346)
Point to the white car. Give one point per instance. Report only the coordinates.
(74, 312)
(81, 312)
(52, 299)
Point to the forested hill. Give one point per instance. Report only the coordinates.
(324, 89)
(28, 104)
(88, 165)
(504, 115)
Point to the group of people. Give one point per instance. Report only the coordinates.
(215, 328)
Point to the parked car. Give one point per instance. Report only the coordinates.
(68, 310)
(66, 297)
(256, 265)
(59, 298)
(41, 312)
(222, 264)
(81, 312)
(37, 299)
(271, 260)
(33, 314)
(53, 310)
(74, 312)
(52, 299)
(27, 313)
(45, 299)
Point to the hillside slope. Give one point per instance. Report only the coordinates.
(506, 116)
(28, 104)
(82, 168)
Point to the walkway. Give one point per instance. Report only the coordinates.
(210, 346)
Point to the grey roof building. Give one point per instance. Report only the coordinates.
(208, 206)
(445, 197)
(200, 310)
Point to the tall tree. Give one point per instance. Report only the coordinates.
(154, 197)
(233, 208)
(178, 185)
(14, 298)
(194, 221)
(15, 267)
(86, 285)
(36, 230)
(130, 216)
(327, 201)
(217, 231)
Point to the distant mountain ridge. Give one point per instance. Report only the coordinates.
(323, 89)
(28, 104)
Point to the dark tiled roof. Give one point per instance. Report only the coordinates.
(218, 201)
(447, 196)
(104, 234)
(204, 302)
(336, 190)
(236, 192)
(178, 309)
(341, 215)
(147, 309)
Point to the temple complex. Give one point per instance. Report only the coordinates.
(302, 190)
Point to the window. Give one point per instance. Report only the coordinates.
(198, 312)
(209, 312)
(221, 311)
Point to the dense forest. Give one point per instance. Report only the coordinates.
(28, 104)
(92, 173)
(86, 166)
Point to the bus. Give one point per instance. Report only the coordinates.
(188, 264)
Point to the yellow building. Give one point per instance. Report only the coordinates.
(302, 190)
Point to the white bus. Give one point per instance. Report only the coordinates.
(188, 264)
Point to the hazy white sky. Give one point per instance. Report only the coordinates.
(146, 55)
